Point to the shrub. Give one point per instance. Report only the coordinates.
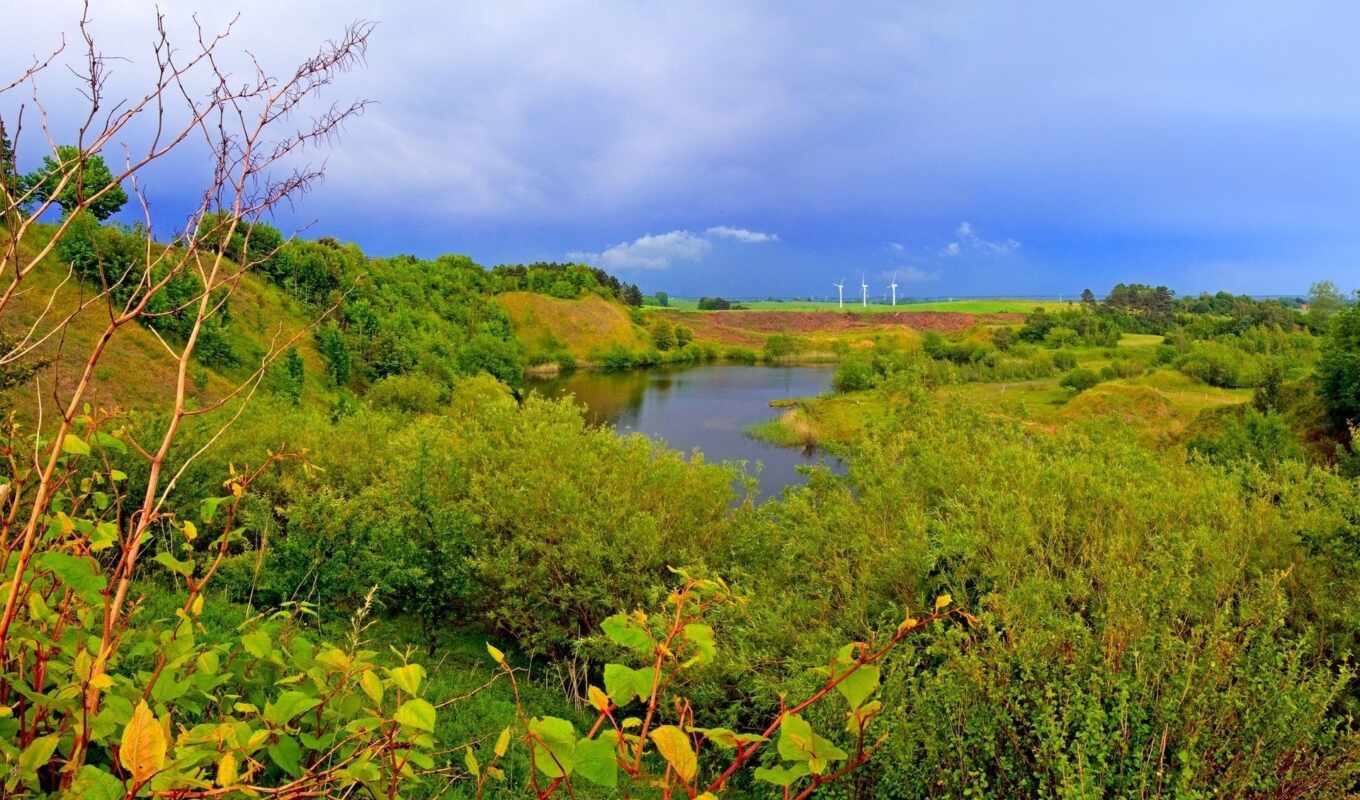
(744, 355)
(663, 335)
(1079, 380)
(411, 393)
(1338, 369)
(780, 346)
(855, 373)
(616, 358)
(1064, 359)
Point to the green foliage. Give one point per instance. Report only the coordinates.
(1338, 368)
(663, 335)
(76, 180)
(1127, 602)
(1080, 379)
(113, 258)
(411, 394)
(1260, 436)
(780, 346)
(1221, 364)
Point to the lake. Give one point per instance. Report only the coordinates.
(706, 407)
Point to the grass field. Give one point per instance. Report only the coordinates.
(965, 306)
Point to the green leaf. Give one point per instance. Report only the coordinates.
(701, 636)
(728, 739)
(622, 684)
(554, 751)
(798, 742)
(289, 705)
(108, 442)
(781, 776)
(207, 508)
(103, 537)
(185, 568)
(408, 678)
(93, 783)
(859, 685)
(624, 631)
(416, 713)
(596, 761)
(258, 644)
(38, 753)
(470, 761)
(287, 754)
(80, 573)
(74, 445)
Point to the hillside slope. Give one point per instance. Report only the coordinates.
(546, 324)
(137, 370)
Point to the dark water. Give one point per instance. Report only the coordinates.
(705, 407)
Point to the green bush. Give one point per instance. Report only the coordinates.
(411, 393)
(1079, 380)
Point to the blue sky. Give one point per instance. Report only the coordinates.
(748, 149)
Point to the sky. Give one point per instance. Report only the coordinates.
(771, 149)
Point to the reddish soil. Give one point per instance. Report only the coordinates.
(751, 327)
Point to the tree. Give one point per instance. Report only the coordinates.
(632, 295)
(88, 183)
(296, 373)
(9, 180)
(663, 299)
(330, 342)
(1088, 297)
(1324, 300)
(1338, 369)
(683, 335)
(663, 335)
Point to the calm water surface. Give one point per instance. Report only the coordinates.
(706, 407)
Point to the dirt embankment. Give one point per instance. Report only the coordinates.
(750, 328)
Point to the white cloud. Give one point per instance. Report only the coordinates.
(653, 251)
(897, 247)
(969, 238)
(661, 250)
(742, 234)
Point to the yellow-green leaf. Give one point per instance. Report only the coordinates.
(372, 686)
(502, 743)
(408, 678)
(74, 445)
(598, 699)
(470, 759)
(674, 746)
(142, 749)
(226, 770)
(942, 601)
(496, 655)
(416, 713)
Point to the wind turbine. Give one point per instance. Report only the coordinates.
(893, 286)
(863, 291)
(840, 293)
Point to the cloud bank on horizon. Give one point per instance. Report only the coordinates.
(780, 145)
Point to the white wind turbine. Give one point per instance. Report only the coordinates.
(863, 291)
(840, 293)
(893, 286)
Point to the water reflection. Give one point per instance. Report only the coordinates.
(705, 407)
